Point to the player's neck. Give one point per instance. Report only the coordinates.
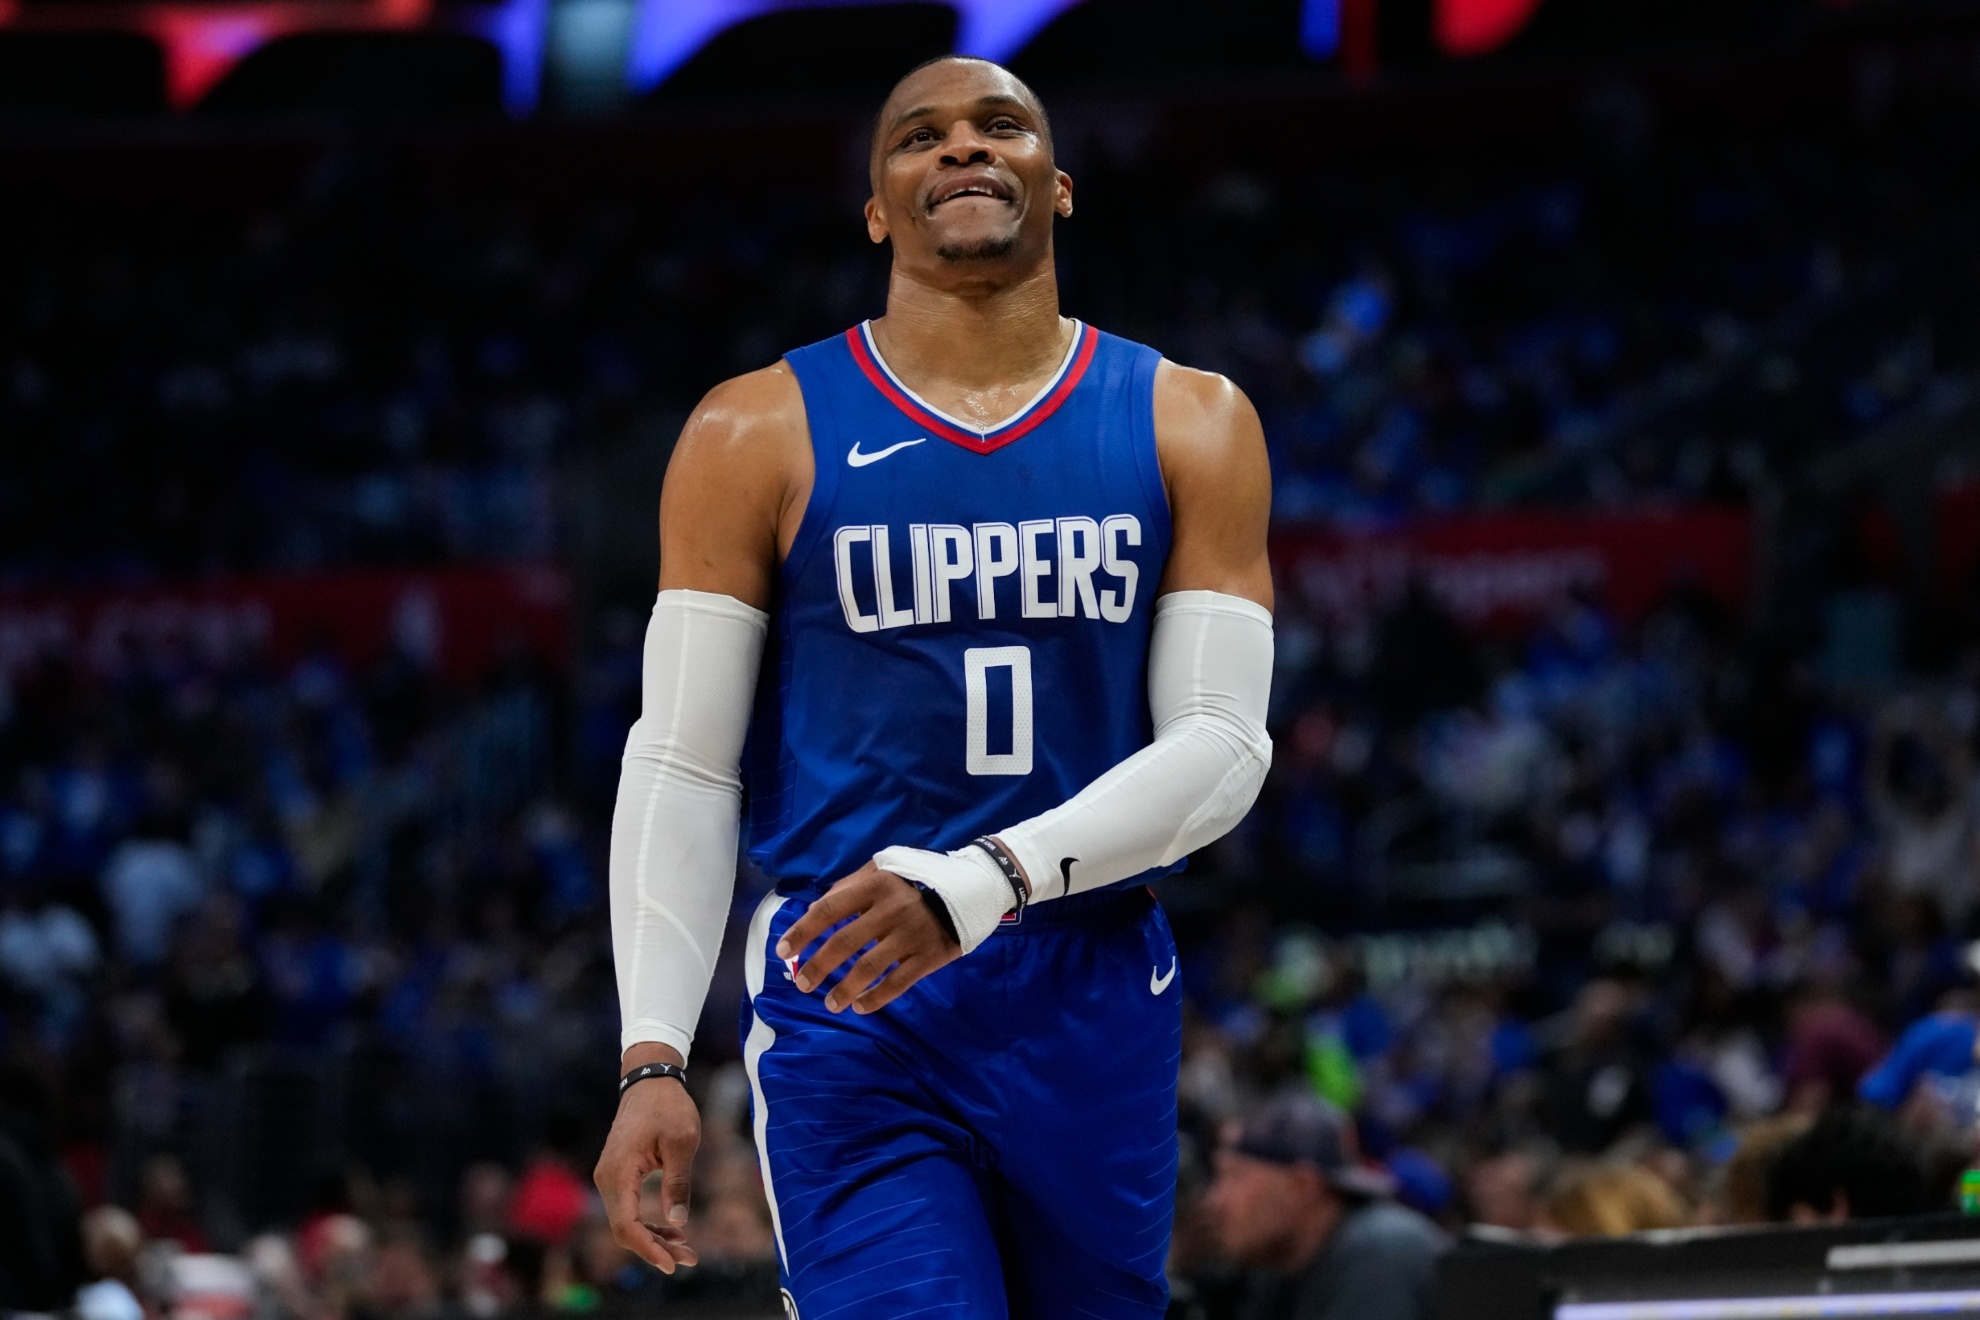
(978, 335)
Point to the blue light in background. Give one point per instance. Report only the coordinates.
(667, 33)
(517, 29)
(1320, 28)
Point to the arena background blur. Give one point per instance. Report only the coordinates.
(1618, 360)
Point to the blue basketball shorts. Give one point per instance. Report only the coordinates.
(999, 1141)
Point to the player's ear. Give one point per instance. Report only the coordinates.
(876, 221)
(1062, 196)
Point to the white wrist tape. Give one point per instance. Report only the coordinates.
(969, 884)
(1209, 682)
(674, 827)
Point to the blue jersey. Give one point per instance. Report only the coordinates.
(961, 627)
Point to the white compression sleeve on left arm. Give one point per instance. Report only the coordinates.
(675, 824)
(1209, 681)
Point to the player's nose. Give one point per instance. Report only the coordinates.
(965, 145)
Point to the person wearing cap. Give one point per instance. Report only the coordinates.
(1293, 1202)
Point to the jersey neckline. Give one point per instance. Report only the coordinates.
(953, 429)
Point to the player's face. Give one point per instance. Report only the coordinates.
(963, 173)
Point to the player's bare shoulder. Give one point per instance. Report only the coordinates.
(751, 421)
(1203, 418)
(736, 486)
(1212, 450)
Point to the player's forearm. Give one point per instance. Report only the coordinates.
(1209, 681)
(677, 817)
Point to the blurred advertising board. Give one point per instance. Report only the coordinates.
(1500, 569)
(457, 620)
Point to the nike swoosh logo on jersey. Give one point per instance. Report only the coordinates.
(856, 459)
(1157, 983)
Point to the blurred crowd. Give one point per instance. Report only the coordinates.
(388, 351)
(1724, 969)
(1583, 924)
(284, 979)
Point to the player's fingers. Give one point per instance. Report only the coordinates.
(897, 982)
(825, 912)
(676, 1179)
(673, 1244)
(872, 965)
(618, 1182)
(846, 941)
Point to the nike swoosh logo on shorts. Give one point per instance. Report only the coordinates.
(1157, 983)
(856, 459)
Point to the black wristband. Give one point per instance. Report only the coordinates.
(646, 1070)
(1008, 865)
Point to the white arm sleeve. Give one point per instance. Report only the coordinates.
(674, 827)
(1209, 679)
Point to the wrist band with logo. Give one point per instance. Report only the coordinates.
(646, 1070)
(1009, 867)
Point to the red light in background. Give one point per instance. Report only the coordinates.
(201, 46)
(1477, 27)
(1359, 21)
(202, 42)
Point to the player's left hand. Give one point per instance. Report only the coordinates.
(903, 940)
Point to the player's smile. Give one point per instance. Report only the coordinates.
(983, 186)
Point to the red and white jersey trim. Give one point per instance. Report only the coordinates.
(954, 429)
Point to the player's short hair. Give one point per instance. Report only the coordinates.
(879, 115)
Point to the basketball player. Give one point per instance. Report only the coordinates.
(1004, 580)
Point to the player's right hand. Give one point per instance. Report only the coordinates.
(657, 1128)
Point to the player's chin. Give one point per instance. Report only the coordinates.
(964, 249)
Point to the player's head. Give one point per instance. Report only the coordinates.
(964, 182)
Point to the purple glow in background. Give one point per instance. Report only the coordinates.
(667, 33)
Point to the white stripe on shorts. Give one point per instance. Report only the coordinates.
(756, 955)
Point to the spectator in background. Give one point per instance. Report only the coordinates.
(404, 1284)
(336, 1254)
(1597, 1081)
(1937, 1050)
(1922, 789)
(1851, 1163)
(47, 950)
(486, 1189)
(1507, 1190)
(551, 1197)
(164, 1206)
(1292, 1201)
(1831, 1044)
(1742, 1189)
(1613, 1199)
(150, 881)
(111, 1242)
